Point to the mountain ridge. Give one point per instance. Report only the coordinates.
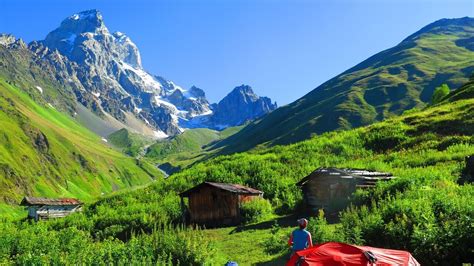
(243, 105)
(385, 84)
(238, 107)
(105, 72)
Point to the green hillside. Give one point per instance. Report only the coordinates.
(384, 85)
(424, 210)
(189, 141)
(464, 92)
(131, 144)
(186, 148)
(43, 152)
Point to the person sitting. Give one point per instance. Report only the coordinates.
(300, 238)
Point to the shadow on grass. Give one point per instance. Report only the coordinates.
(281, 260)
(285, 221)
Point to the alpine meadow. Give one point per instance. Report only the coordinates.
(105, 162)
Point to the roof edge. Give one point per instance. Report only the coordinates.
(346, 171)
(31, 201)
(186, 193)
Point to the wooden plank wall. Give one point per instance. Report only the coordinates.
(323, 191)
(214, 205)
(48, 212)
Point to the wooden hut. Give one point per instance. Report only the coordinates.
(330, 188)
(45, 208)
(217, 204)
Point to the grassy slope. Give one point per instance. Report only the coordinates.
(188, 147)
(465, 92)
(188, 141)
(425, 149)
(246, 247)
(45, 153)
(130, 143)
(384, 85)
(403, 145)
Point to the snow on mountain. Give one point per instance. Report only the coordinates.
(109, 67)
(160, 134)
(105, 72)
(150, 83)
(39, 89)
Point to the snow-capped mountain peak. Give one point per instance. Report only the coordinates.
(109, 70)
(87, 14)
(106, 73)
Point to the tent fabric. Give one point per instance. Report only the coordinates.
(336, 254)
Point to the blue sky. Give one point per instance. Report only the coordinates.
(283, 49)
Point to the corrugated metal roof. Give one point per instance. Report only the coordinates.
(366, 173)
(348, 173)
(49, 201)
(234, 188)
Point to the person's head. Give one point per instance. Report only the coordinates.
(302, 223)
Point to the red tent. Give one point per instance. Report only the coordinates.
(333, 253)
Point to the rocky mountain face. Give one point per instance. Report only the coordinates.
(236, 108)
(35, 76)
(239, 106)
(105, 73)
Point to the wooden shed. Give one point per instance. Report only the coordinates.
(46, 208)
(330, 188)
(217, 204)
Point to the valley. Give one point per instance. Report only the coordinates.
(46, 152)
(81, 118)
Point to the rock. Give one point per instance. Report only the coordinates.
(240, 106)
(94, 61)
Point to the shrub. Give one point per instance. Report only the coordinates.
(434, 223)
(277, 241)
(386, 137)
(439, 93)
(256, 211)
(321, 231)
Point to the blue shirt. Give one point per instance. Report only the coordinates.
(300, 239)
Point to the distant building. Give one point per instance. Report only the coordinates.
(217, 204)
(330, 188)
(468, 172)
(470, 165)
(44, 208)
